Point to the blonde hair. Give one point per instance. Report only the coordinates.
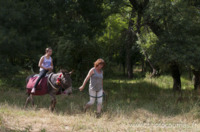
(47, 49)
(98, 62)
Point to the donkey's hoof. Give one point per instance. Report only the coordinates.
(51, 109)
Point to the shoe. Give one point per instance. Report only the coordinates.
(84, 109)
(98, 115)
(33, 90)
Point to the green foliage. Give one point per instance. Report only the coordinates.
(23, 32)
(78, 55)
(82, 31)
(28, 27)
(177, 32)
(76, 47)
(115, 38)
(110, 41)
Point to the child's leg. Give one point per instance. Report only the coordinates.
(41, 75)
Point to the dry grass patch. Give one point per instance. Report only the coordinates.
(17, 119)
(131, 105)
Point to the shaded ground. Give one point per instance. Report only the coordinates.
(130, 105)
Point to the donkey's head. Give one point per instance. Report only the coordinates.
(66, 81)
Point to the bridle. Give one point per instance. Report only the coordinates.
(59, 84)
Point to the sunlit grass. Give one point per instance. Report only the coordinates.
(128, 102)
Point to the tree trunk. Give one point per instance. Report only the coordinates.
(124, 68)
(154, 71)
(137, 8)
(130, 37)
(176, 77)
(196, 79)
(143, 69)
(129, 64)
(140, 9)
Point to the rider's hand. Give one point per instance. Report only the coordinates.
(81, 88)
(49, 69)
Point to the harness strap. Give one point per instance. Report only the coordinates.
(51, 83)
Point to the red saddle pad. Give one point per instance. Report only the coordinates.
(41, 88)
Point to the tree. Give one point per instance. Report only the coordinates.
(28, 27)
(77, 43)
(119, 37)
(178, 36)
(24, 34)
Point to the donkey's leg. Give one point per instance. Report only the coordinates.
(27, 101)
(31, 96)
(53, 102)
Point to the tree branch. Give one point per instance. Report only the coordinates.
(134, 4)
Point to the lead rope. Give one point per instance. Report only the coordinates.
(90, 95)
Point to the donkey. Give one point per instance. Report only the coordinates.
(53, 88)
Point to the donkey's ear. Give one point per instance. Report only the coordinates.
(63, 71)
(70, 73)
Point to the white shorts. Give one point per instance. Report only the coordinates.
(95, 95)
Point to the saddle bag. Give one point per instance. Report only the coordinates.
(41, 88)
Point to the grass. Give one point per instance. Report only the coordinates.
(139, 104)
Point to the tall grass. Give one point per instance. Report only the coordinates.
(128, 103)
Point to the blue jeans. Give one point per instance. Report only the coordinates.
(41, 75)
